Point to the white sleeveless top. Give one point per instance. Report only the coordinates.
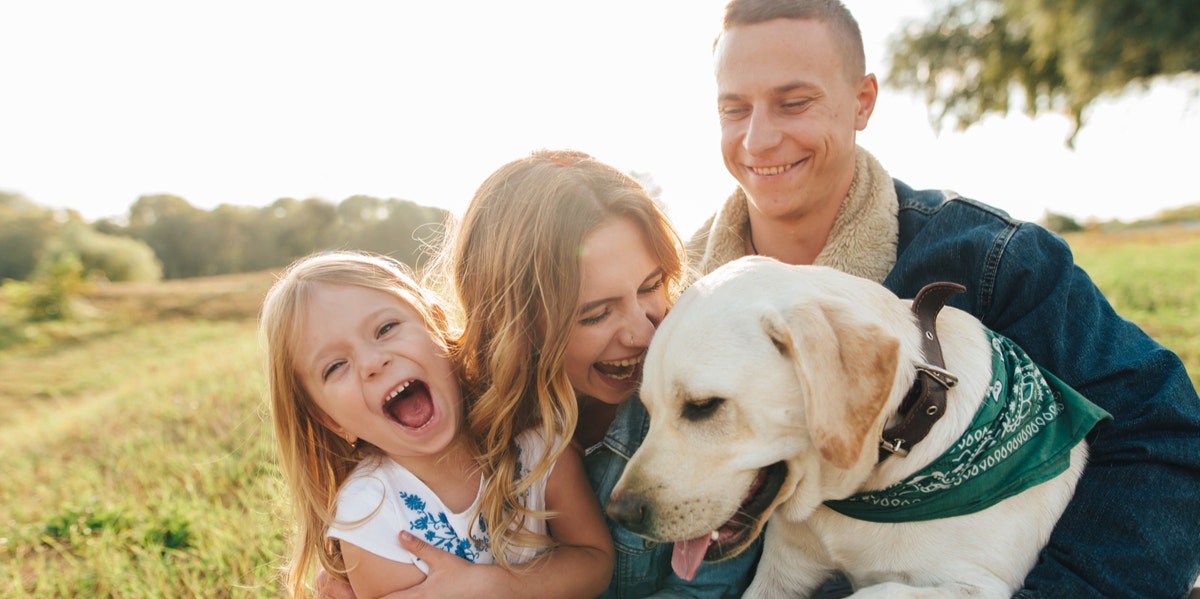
(381, 498)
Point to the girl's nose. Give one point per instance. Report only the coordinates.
(375, 364)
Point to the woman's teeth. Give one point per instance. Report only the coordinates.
(620, 369)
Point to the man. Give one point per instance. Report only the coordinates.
(792, 94)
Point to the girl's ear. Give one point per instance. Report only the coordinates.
(324, 420)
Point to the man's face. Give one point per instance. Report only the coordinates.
(789, 110)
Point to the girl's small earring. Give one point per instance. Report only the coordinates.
(353, 444)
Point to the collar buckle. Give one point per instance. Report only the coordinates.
(893, 447)
(946, 379)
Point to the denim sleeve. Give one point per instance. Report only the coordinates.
(1132, 529)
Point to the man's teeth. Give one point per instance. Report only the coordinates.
(397, 392)
(770, 170)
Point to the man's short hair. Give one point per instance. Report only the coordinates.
(832, 12)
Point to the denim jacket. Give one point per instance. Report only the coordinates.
(643, 568)
(1133, 528)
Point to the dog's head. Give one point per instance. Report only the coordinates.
(766, 386)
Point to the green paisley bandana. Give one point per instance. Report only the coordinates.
(1021, 436)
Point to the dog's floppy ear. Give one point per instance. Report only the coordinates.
(846, 365)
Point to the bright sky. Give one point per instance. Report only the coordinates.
(244, 102)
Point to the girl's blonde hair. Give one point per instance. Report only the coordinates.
(313, 459)
(514, 264)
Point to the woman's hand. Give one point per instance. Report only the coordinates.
(452, 576)
(449, 576)
(328, 587)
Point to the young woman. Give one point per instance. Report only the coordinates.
(564, 267)
(368, 413)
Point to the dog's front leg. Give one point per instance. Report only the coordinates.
(793, 563)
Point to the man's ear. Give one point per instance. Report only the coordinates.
(866, 94)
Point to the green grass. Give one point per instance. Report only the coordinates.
(138, 459)
(138, 463)
(1152, 277)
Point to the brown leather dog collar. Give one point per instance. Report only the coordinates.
(926, 401)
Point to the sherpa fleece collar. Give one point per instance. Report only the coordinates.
(862, 242)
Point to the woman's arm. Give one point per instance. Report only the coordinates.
(584, 563)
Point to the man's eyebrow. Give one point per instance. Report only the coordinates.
(796, 85)
(777, 90)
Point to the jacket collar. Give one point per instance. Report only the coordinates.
(862, 241)
(627, 430)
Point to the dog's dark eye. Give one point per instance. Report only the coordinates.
(701, 409)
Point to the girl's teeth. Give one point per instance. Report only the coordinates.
(398, 391)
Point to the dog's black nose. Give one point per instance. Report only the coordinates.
(628, 510)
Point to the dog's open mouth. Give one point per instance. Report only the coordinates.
(734, 535)
(410, 405)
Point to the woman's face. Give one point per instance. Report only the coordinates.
(622, 299)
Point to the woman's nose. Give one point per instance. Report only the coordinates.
(641, 329)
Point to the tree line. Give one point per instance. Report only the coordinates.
(164, 236)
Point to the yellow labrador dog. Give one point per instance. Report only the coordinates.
(771, 390)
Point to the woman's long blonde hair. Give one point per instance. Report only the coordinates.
(313, 459)
(514, 263)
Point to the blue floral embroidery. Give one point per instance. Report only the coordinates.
(438, 531)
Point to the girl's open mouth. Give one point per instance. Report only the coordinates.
(410, 405)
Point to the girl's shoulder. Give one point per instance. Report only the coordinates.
(379, 476)
(533, 448)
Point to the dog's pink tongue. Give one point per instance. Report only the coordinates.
(687, 555)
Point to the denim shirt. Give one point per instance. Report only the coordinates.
(1133, 528)
(643, 568)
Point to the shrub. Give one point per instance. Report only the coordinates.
(52, 294)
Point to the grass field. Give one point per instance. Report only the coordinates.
(1152, 277)
(137, 460)
(137, 457)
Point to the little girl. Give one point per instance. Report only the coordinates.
(368, 416)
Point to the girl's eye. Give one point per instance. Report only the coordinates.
(595, 319)
(383, 330)
(329, 370)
